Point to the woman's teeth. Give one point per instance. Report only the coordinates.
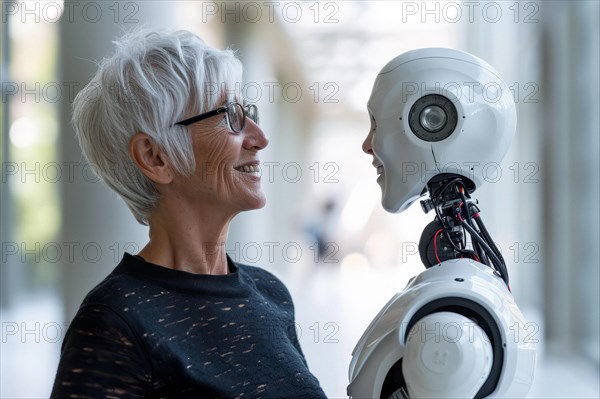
(380, 170)
(248, 168)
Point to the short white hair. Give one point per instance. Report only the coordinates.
(153, 80)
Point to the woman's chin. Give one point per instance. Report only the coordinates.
(257, 201)
(260, 202)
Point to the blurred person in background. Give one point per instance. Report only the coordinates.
(162, 123)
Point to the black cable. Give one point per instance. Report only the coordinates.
(437, 214)
(488, 238)
(480, 253)
(499, 266)
(484, 247)
(453, 245)
(437, 204)
(453, 181)
(485, 234)
(465, 208)
(446, 227)
(495, 261)
(484, 258)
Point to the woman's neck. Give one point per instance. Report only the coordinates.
(190, 241)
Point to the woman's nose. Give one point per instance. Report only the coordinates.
(255, 138)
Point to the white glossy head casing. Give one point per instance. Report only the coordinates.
(485, 122)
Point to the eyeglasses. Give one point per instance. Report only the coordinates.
(235, 114)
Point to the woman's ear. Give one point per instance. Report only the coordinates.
(151, 160)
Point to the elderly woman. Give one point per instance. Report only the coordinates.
(163, 124)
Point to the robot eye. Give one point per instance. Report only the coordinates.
(433, 118)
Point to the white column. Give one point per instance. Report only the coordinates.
(95, 221)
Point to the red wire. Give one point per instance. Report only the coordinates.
(435, 245)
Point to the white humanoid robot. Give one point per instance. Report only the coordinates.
(438, 118)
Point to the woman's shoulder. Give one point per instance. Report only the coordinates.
(260, 275)
(267, 283)
(117, 289)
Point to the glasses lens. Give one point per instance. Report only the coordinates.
(236, 117)
(252, 112)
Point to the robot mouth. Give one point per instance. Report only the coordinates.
(378, 165)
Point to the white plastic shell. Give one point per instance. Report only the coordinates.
(383, 343)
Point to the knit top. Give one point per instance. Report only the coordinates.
(150, 331)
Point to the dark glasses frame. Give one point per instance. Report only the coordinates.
(249, 110)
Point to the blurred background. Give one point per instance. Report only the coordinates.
(310, 66)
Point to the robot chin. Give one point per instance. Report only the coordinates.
(393, 199)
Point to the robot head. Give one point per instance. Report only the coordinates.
(437, 111)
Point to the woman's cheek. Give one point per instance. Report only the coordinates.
(208, 150)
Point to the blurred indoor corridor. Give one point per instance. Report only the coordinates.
(309, 66)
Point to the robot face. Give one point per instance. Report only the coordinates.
(386, 146)
(436, 111)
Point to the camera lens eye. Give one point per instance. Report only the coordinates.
(432, 118)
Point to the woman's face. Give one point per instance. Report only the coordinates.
(227, 175)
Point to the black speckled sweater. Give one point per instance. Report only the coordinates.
(150, 331)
